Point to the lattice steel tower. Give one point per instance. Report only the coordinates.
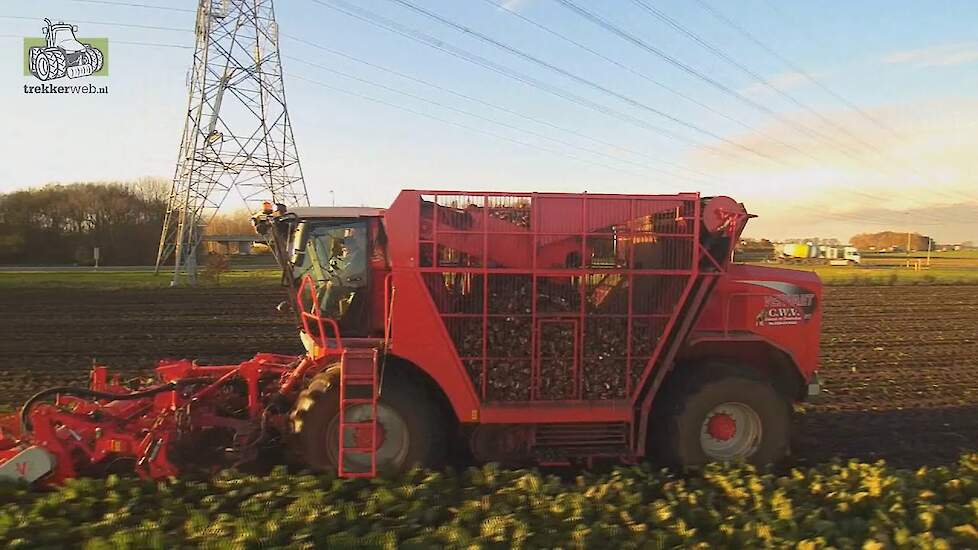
(237, 134)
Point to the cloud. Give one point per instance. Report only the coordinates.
(949, 224)
(782, 81)
(865, 176)
(944, 55)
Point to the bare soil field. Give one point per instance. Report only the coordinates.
(899, 364)
(900, 369)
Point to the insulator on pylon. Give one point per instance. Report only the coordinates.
(222, 9)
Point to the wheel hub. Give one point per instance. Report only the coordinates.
(721, 426)
(731, 431)
(392, 444)
(362, 436)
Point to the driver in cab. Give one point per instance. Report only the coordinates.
(345, 273)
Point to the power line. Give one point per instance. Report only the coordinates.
(497, 107)
(739, 28)
(658, 14)
(136, 5)
(860, 220)
(115, 24)
(646, 77)
(150, 44)
(432, 42)
(811, 78)
(170, 28)
(824, 46)
(575, 77)
(614, 29)
(127, 42)
(454, 123)
(603, 23)
(724, 56)
(425, 114)
(879, 219)
(854, 192)
(618, 64)
(155, 44)
(111, 24)
(493, 134)
(483, 118)
(645, 166)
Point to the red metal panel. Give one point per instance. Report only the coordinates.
(419, 335)
(781, 306)
(557, 412)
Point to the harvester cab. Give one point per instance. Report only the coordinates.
(63, 54)
(342, 251)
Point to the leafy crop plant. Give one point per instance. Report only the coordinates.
(838, 504)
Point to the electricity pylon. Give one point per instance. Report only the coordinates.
(237, 133)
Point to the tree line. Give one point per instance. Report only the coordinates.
(64, 223)
(891, 240)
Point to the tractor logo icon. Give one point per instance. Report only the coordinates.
(63, 55)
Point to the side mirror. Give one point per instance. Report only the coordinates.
(299, 242)
(74, 28)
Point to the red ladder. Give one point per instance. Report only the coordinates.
(358, 387)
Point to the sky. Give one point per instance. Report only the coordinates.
(826, 118)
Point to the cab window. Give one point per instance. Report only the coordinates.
(336, 257)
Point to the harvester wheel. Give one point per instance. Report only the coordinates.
(32, 54)
(720, 413)
(95, 58)
(40, 65)
(57, 64)
(409, 430)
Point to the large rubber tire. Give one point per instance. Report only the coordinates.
(41, 66)
(32, 55)
(315, 419)
(57, 63)
(682, 433)
(95, 58)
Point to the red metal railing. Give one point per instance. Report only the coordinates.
(313, 323)
(497, 260)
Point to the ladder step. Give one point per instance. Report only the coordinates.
(358, 378)
(362, 424)
(362, 450)
(357, 474)
(357, 401)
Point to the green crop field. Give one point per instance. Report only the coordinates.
(840, 505)
(889, 275)
(949, 254)
(107, 280)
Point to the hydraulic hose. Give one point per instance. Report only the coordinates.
(25, 421)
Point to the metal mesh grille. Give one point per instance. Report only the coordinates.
(581, 439)
(557, 297)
